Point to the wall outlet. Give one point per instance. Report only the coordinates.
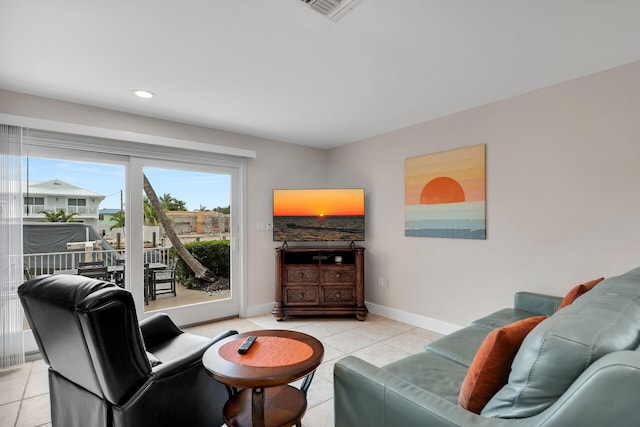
(269, 226)
(381, 282)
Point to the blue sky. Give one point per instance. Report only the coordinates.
(194, 188)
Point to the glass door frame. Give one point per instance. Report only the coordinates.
(238, 156)
(200, 312)
(235, 167)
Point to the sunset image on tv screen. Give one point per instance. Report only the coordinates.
(318, 215)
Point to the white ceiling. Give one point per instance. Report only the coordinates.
(277, 69)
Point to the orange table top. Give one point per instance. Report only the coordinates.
(267, 351)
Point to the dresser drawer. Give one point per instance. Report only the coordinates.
(338, 275)
(301, 295)
(338, 294)
(301, 274)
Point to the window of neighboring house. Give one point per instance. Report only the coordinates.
(77, 205)
(34, 200)
(33, 204)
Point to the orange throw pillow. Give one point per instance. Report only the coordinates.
(578, 290)
(491, 366)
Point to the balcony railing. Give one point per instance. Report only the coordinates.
(49, 263)
(80, 210)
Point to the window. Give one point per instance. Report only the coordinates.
(78, 206)
(77, 202)
(33, 204)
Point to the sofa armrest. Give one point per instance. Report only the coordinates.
(540, 304)
(368, 396)
(358, 393)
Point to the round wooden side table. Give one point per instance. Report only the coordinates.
(277, 358)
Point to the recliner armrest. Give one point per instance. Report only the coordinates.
(173, 393)
(188, 358)
(157, 329)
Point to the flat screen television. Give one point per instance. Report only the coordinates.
(318, 215)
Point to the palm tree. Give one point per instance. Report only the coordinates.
(150, 215)
(118, 219)
(59, 216)
(170, 203)
(200, 271)
(223, 209)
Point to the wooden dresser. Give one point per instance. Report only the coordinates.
(320, 281)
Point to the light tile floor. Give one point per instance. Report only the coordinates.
(24, 392)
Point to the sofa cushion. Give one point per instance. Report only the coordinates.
(577, 291)
(491, 365)
(460, 346)
(554, 354)
(502, 318)
(431, 372)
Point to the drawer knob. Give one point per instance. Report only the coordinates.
(337, 295)
(301, 294)
(301, 275)
(337, 275)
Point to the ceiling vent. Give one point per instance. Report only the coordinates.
(332, 9)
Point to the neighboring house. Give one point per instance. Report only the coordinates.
(185, 223)
(106, 216)
(106, 221)
(199, 222)
(56, 195)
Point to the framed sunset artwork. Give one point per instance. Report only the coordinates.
(445, 194)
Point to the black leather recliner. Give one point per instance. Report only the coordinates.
(100, 359)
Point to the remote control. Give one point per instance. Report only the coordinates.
(246, 345)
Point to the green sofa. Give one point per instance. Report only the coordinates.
(578, 367)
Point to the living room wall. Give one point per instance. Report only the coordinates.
(563, 201)
(562, 195)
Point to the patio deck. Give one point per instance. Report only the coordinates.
(183, 296)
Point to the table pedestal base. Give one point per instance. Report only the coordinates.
(265, 407)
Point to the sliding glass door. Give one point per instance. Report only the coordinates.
(104, 194)
(187, 233)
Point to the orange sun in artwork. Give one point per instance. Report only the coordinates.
(442, 190)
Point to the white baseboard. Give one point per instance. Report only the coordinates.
(259, 310)
(424, 322)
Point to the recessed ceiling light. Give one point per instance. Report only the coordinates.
(143, 93)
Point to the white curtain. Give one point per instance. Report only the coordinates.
(11, 263)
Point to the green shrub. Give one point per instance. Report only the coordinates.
(213, 254)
